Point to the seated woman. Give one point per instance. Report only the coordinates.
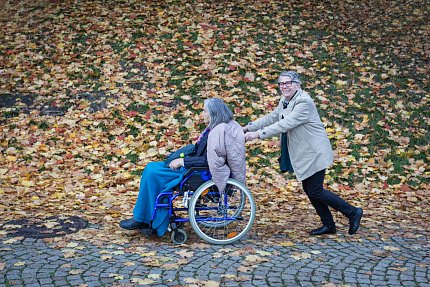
(157, 177)
(226, 153)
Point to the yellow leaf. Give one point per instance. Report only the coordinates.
(27, 183)
(148, 254)
(341, 83)
(19, 263)
(58, 195)
(11, 158)
(287, 243)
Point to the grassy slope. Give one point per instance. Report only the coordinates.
(366, 65)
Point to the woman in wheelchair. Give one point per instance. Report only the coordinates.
(158, 177)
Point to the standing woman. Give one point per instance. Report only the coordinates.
(160, 177)
(306, 150)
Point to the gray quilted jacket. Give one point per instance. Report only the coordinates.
(226, 153)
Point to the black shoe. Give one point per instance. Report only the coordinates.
(354, 221)
(323, 230)
(131, 224)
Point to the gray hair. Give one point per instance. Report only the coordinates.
(293, 75)
(218, 111)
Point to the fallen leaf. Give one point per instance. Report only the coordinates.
(300, 256)
(76, 271)
(154, 276)
(140, 281)
(391, 248)
(185, 253)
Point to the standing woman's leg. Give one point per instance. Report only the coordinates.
(321, 208)
(317, 192)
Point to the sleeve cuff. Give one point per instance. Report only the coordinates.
(250, 127)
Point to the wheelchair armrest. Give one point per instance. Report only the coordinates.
(194, 177)
(195, 168)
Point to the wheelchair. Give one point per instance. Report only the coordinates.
(218, 217)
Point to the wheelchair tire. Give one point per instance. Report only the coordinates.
(179, 236)
(222, 217)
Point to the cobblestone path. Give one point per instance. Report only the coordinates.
(329, 262)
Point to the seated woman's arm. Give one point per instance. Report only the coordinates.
(195, 161)
(199, 158)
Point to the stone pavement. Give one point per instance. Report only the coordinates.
(330, 261)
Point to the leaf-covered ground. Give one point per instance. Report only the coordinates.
(131, 77)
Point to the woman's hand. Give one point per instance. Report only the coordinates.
(249, 136)
(176, 163)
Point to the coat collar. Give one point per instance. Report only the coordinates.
(284, 100)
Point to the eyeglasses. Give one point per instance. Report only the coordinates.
(286, 84)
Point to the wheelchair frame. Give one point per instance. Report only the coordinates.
(196, 187)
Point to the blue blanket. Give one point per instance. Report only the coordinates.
(156, 178)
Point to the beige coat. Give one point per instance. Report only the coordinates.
(308, 145)
(226, 153)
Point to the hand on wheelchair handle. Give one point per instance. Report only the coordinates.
(176, 163)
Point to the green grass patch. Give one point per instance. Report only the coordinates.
(132, 157)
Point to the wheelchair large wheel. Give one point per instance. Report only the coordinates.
(222, 217)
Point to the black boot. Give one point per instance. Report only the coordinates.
(323, 230)
(354, 221)
(131, 224)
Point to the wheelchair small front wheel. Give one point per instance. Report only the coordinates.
(222, 217)
(179, 236)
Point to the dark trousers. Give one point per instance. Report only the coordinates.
(322, 199)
